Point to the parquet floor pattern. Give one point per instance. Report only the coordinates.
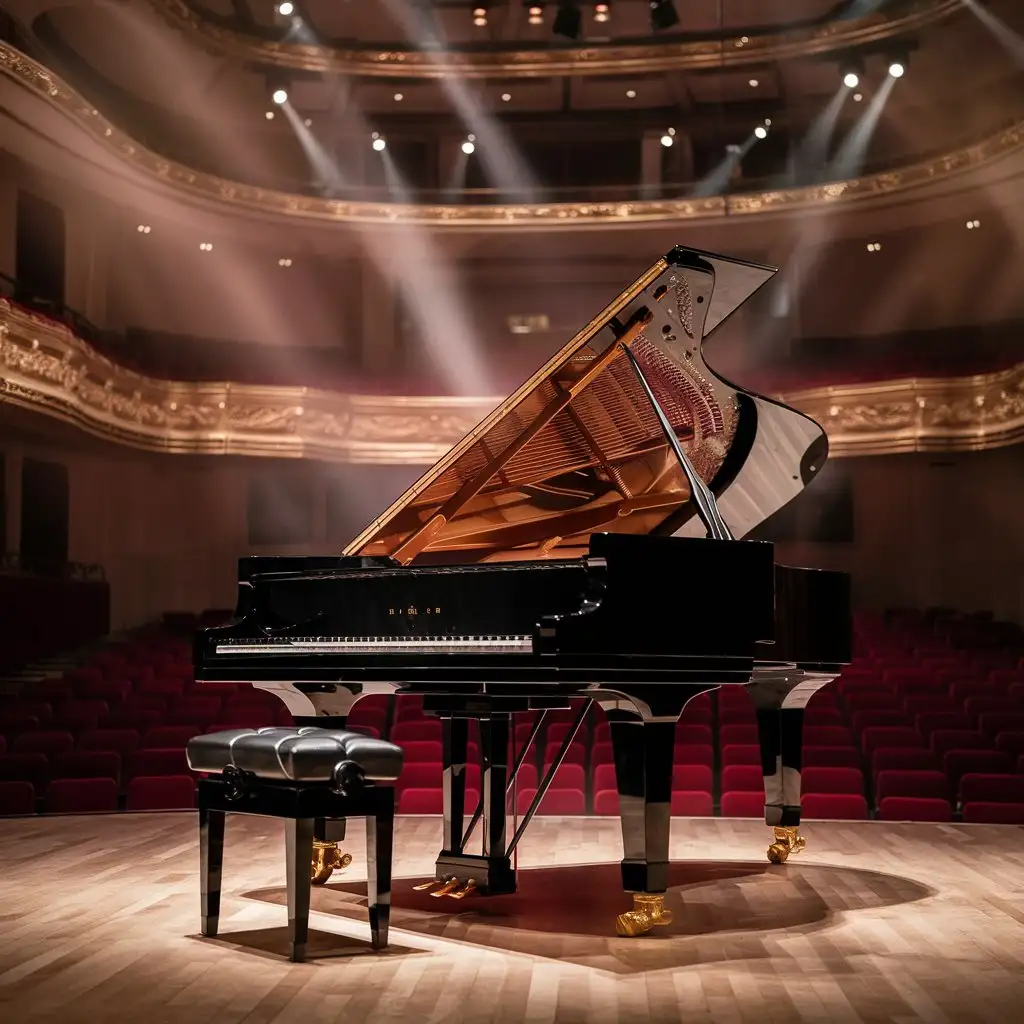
(873, 922)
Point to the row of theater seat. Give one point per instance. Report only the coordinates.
(874, 740)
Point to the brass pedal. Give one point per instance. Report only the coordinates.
(467, 890)
(450, 886)
(425, 885)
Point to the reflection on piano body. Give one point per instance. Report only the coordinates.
(582, 542)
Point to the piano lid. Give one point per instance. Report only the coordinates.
(577, 449)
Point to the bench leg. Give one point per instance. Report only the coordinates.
(379, 845)
(299, 854)
(211, 861)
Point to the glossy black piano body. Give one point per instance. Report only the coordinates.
(558, 552)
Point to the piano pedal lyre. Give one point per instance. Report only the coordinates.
(327, 859)
(450, 886)
(467, 890)
(787, 840)
(426, 885)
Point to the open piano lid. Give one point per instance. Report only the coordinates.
(577, 449)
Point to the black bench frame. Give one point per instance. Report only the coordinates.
(304, 806)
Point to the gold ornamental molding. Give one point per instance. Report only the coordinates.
(46, 369)
(897, 19)
(270, 202)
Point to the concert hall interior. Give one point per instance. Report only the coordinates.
(563, 460)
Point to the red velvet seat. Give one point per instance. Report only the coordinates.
(81, 796)
(914, 808)
(110, 691)
(827, 736)
(992, 723)
(999, 704)
(913, 759)
(687, 803)
(162, 737)
(737, 734)
(980, 788)
(40, 710)
(825, 716)
(928, 784)
(692, 778)
(832, 780)
(994, 813)
(88, 764)
(1011, 743)
(944, 721)
(697, 734)
(694, 753)
(831, 757)
(841, 806)
(407, 731)
(408, 707)
(420, 776)
(872, 701)
(17, 798)
(604, 777)
(157, 761)
(420, 801)
(943, 740)
(602, 753)
(129, 718)
(862, 721)
(121, 741)
(568, 776)
(958, 763)
(889, 738)
(13, 723)
(49, 742)
(606, 801)
(163, 793)
(740, 804)
(742, 778)
(929, 705)
(575, 754)
(422, 751)
(30, 767)
(741, 753)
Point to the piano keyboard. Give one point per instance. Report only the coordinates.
(380, 645)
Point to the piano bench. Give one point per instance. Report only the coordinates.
(312, 778)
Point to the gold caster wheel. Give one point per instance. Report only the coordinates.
(327, 859)
(648, 912)
(787, 840)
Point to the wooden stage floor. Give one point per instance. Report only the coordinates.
(99, 918)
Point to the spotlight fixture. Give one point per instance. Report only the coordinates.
(378, 142)
(280, 96)
(535, 14)
(754, 83)
(568, 20)
(851, 79)
(602, 12)
(971, 225)
(663, 15)
(269, 115)
(284, 262)
(206, 246)
(143, 229)
(897, 69)
(469, 146)
(733, 150)
(480, 16)
(857, 97)
(505, 97)
(308, 122)
(399, 97)
(874, 246)
(761, 132)
(286, 8)
(667, 140)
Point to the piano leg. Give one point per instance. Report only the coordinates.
(211, 861)
(327, 857)
(298, 833)
(379, 842)
(643, 772)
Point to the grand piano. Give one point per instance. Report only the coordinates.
(582, 545)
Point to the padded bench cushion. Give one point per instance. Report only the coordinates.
(295, 754)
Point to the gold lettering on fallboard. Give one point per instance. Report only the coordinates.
(411, 610)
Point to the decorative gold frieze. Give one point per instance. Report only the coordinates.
(468, 216)
(45, 368)
(899, 17)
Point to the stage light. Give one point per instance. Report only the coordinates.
(206, 246)
(754, 83)
(601, 12)
(399, 97)
(761, 132)
(631, 94)
(269, 115)
(143, 229)
(284, 262)
(505, 97)
(667, 140)
(874, 246)
(971, 225)
(378, 143)
(896, 69)
(663, 15)
(851, 79)
(469, 147)
(857, 97)
(480, 17)
(568, 21)
(280, 96)
(535, 14)
(286, 8)
(308, 122)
